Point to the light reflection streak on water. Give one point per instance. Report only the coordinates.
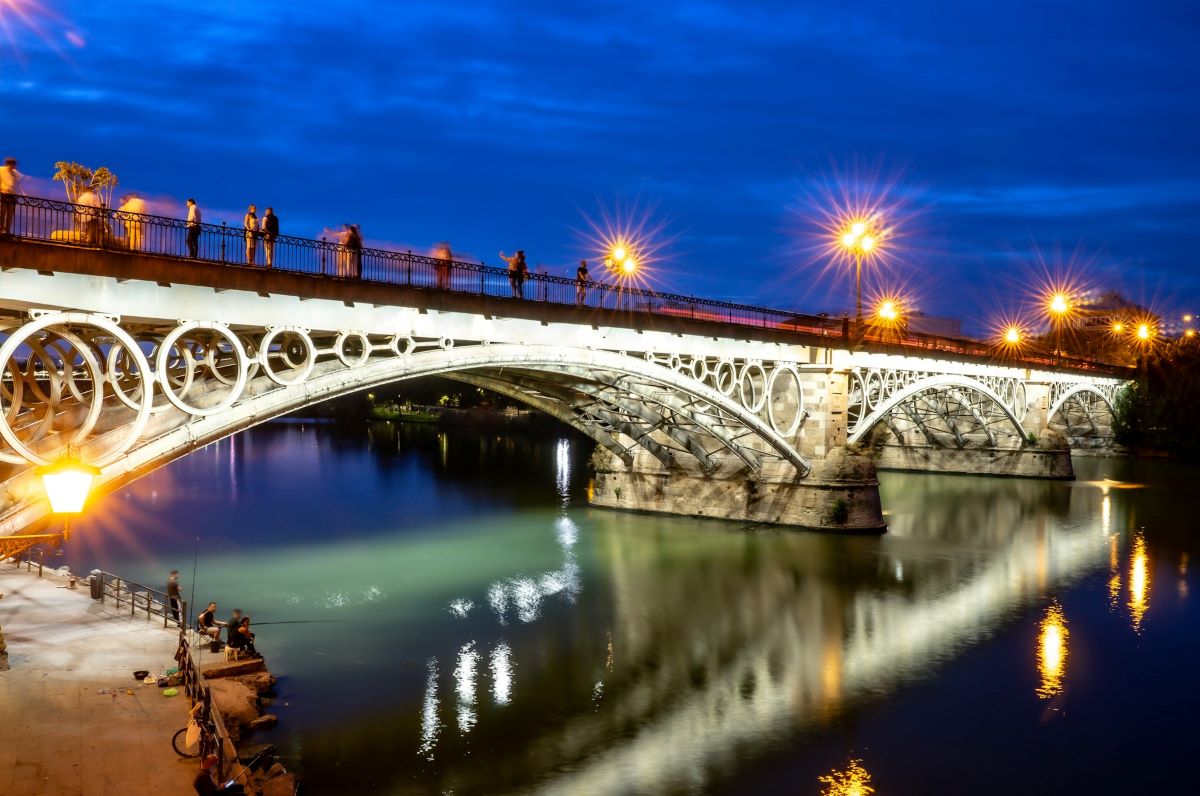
(502, 673)
(1105, 514)
(562, 471)
(854, 780)
(1052, 651)
(464, 686)
(430, 726)
(1139, 582)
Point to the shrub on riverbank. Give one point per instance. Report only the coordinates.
(1159, 410)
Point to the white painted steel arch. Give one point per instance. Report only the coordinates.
(163, 444)
(1078, 389)
(884, 409)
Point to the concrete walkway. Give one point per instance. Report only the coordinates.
(58, 735)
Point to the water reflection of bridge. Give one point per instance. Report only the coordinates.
(723, 646)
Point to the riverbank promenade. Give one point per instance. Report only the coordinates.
(60, 735)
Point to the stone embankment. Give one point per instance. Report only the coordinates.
(238, 690)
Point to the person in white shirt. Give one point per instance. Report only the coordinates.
(193, 229)
(131, 211)
(10, 188)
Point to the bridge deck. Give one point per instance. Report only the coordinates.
(480, 292)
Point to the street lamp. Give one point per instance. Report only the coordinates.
(67, 481)
(859, 240)
(1012, 335)
(1060, 305)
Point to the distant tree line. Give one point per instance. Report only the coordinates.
(1161, 409)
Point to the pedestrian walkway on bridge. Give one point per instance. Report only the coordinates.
(62, 735)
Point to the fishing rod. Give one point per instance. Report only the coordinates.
(294, 622)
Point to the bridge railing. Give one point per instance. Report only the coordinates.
(81, 225)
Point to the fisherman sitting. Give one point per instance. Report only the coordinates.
(207, 624)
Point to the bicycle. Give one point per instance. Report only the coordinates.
(202, 735)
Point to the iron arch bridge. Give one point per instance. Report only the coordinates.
(1082, 411)
(956, 410)
(131, 396)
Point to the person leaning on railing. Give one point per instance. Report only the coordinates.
(10, 188)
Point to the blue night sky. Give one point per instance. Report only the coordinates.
(1020, 137)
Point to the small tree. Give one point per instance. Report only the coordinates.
(74, 177)
(103, 182)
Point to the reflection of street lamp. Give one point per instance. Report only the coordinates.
(860, 241)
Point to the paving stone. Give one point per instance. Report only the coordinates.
(59, 736)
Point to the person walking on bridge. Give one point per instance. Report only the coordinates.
(193, 229)
(270, 231)
(250, 223)
(10, 188)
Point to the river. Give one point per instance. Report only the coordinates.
(462, 621)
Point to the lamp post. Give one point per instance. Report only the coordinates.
(860, 241)
(1060, 305)
(623, 265)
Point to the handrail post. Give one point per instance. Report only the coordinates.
(409, 282)
(223, 228)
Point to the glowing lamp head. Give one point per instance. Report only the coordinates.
(619, 254)
(1187, 318)
(858, 229)
(1190, 333)
(1143, 331)
(1118, 327)
(1059, 304)
(887, 311)
(67, 482)
(1012, 335)
(866, 243)
(628, 265)
(849, 240)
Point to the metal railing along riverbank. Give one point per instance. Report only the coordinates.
(91, 227)
(140, 599)
(214, 737)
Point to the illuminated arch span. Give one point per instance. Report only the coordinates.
(1078, 389)
(950, 385)
(622, 401)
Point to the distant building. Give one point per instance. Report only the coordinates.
(1101, 311)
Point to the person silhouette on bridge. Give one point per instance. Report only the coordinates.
(517, 269)
(87, 211)
(193, 228)
(250, 223)
(354, 243)
(10, 187)
(131, 210)
(441, 253)
(581, 280)
(270, 231)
